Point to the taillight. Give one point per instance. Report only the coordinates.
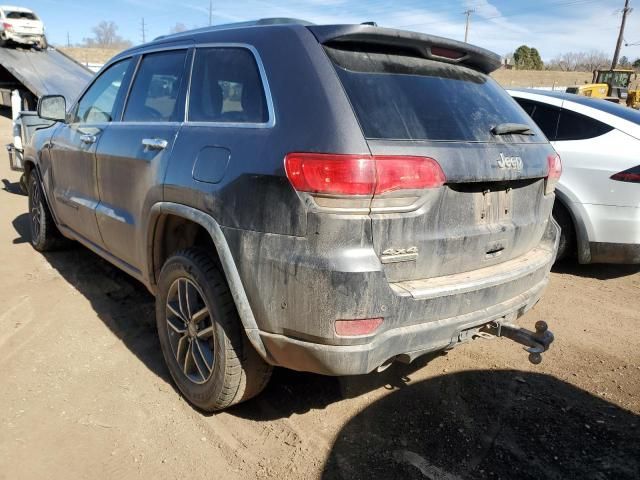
(407, 173)
(555, 170)
(335, 174)
(631, 175)
(7, 26)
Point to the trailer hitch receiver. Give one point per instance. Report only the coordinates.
(536, 343)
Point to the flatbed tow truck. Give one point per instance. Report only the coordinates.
(25, 76)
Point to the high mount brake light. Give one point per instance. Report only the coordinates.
(335, 174)
(446, 53)
(555, 171)
(631, 175)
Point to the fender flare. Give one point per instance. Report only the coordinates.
(582, 236)
(226, 259)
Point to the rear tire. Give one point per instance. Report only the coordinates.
(567, 244)
(44, 233)
(208, 354)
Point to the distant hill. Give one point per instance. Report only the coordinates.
(90, 55)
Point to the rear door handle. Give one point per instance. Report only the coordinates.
(88, 139)
(155, 143)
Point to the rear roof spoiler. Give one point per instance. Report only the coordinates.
(371, 38)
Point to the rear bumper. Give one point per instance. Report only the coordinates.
(407, 343)
(26, 38)
(419, 316)
(613, 224)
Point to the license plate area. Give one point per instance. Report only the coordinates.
(494, 206)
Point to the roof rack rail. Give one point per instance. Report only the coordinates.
(250, 23)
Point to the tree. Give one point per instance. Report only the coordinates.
(105, 36)
(178, 27)
(624, 62)
(527, 58)
(580, 61)
(636, 63)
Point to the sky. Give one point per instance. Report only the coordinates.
(552, 26)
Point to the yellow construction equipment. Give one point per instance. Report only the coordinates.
(612, 85)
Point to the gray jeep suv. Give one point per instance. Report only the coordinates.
(323, 198)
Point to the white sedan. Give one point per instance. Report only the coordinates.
(21, 25)
(598, 197)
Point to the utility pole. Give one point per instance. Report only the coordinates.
(210, 12)
(144, 32)
(625, 11)
(68, 40)
(466, 27)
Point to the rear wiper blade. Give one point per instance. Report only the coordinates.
(507, 128)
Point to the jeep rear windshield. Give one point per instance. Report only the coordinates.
(397, 97)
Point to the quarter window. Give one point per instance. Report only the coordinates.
(226, 87)
(97, 105)
(574, 126)
(156, 88)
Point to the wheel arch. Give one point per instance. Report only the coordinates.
(155, 231)
(579, 225)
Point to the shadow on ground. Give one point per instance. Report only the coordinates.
(488, 424)
(599, 271)
(12, 187)
(121, 302)
(128, 310)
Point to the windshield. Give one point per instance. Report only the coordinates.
(617, 79)
(407, 98)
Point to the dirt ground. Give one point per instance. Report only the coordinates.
(84, 392)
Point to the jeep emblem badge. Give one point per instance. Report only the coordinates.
(510, 163)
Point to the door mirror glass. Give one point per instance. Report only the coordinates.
(52, 107)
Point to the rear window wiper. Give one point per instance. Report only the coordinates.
(508, 128)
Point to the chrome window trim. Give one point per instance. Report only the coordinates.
(271, 121)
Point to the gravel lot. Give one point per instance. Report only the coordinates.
(84, 392)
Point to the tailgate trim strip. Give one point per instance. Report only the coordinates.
(482, 278)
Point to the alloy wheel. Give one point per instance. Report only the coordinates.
(190, 329)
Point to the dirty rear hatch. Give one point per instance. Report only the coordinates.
(433, 99)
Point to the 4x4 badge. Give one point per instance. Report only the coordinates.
(511, 163)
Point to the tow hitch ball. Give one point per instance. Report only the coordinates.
(534, 342)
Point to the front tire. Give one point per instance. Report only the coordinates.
(201, 335)
(44, 234)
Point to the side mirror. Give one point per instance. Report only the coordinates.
(52, 107)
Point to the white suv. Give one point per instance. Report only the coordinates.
(598, 197)
(21, 25)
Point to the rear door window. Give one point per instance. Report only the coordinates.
(226, 87)
(155, 93)
(400, 97)
(545, 116)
